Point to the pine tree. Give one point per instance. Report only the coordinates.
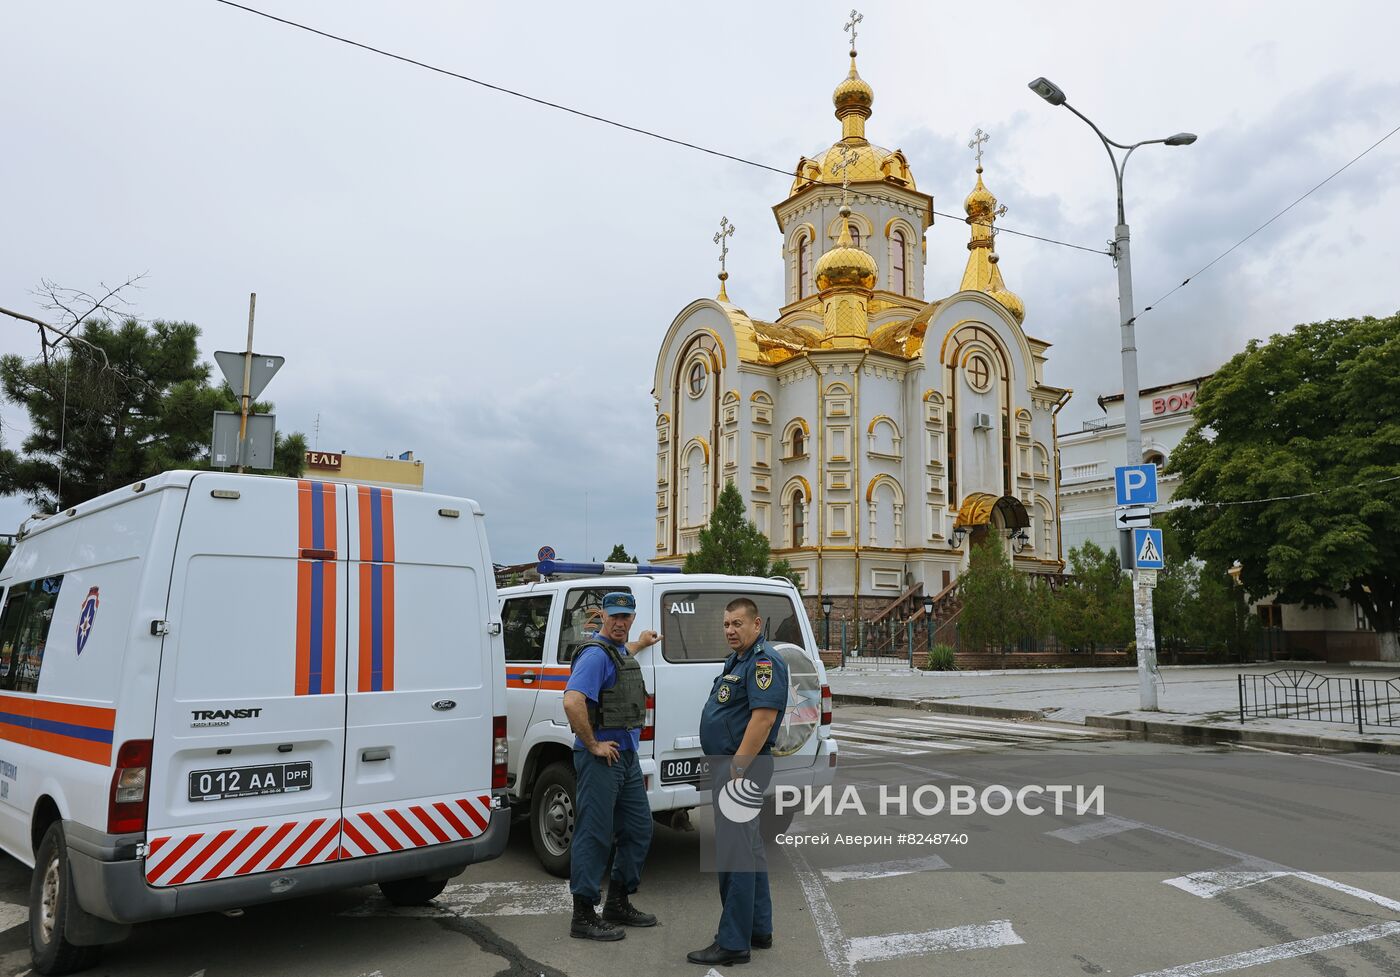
(732, 544)
(619, 554)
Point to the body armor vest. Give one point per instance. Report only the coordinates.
(624, 706)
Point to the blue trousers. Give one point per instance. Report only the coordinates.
(612, 818)
(743, 869)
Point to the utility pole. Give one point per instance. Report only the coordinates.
(245, 399)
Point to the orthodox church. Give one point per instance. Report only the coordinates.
(874, 433)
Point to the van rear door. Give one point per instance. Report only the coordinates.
(419, 730)
(250, 715)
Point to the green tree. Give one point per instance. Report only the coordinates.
(1094, 606)
(1001, 607)
(1309, 420)
(1194, 604)
(97, 425)
(732, 544)
(619, 554)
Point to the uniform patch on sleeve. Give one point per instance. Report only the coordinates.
(763, 673)
(723, 694)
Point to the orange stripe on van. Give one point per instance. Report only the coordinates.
(80, 732)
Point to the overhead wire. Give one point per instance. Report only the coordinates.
(604, 120)
(1195, 503)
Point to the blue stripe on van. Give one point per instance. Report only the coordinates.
(53, 726)
(318, 596)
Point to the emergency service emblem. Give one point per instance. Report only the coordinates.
(86, 617)
(723, 694)
(763, 673)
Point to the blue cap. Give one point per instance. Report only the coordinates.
(619, 602)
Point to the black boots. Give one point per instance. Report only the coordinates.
(619, 909)
(715, 955)
(587, 926)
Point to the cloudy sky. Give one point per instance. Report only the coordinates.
(486, 281)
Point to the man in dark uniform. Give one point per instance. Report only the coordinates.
(738, 728)
(605, 702)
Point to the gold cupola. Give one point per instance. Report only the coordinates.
(845, 277)
(983, 272)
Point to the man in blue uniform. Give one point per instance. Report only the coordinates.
(738, 728)
(605, 702)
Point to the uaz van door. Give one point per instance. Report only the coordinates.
(250, 714)
(420, 724)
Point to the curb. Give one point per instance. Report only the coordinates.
(1198, 734)
(934, 705)
(859, 671)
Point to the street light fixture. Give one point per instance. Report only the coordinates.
(928, 620)
(1020, 541)
(1132, 414)
(827, 604)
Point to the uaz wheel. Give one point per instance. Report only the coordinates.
(552, 817)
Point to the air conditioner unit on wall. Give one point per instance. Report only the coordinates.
(981, 421)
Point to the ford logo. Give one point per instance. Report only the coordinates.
(442, 705)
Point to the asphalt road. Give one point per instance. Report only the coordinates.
(1147, 896)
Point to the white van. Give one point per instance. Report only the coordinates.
(219, 690)
(544, 623)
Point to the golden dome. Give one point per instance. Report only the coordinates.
(980, 204)
(1000, 293)
(845, 266)
(854, 94)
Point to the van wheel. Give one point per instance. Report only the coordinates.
(50, 901)
(412, 892)
(552, 817)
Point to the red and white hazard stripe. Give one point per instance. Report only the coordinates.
(380, 828)
(225, 851)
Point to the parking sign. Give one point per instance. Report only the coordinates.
(1135, 484)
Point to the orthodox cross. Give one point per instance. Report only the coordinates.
(978, 139)
(856, 18)
(848, 158)
(726, 230)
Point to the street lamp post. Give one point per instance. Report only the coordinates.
(928, 619)
(826, 614)
(1132, 418)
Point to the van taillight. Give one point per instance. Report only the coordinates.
(126, 804)
(826, 705)
(649, 727)
(500, 752)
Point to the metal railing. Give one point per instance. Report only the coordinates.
(1299, 693)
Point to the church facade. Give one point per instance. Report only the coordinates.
(873, 433)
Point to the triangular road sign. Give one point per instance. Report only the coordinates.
(264, 369)
(1148, 553)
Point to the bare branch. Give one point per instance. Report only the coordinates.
(61, 333)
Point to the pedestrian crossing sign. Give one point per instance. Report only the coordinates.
(1147, 549)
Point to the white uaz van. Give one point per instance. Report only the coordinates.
(219, 690)
(544, 623)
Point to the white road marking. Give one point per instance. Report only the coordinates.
(12, 915)
(884, 870)
(1208, 885)
(1351, 890)
(1260, 749)
(824, 917)
(854, 736)
(980, 936)
(1093, 829)
(1006, 725)
(480, 899)
(1348, 763)
(1283, 951)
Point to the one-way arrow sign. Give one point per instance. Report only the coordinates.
(1134, 518)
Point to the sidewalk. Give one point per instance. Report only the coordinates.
(1197, 704)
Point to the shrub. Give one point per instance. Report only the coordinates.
(941, 658)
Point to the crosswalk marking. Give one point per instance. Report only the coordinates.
(911, 735)
(884, 870)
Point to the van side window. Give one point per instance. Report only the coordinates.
(692, 623)
(24, 632)
(583, 615)
(523, 623)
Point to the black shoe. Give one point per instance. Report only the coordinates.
(619, 909)
(587, 926)
(763, 942)
(715, 955)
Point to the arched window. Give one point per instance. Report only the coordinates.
(697, 379)
(799, 443)
(855, 234)
(804, 267)
(901, 283)
(799, 520)
(1154, 458)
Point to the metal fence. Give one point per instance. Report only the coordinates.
(1299, 693)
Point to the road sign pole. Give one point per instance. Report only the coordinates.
(247, 381)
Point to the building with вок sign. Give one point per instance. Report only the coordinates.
(874, 433)
(402, 472)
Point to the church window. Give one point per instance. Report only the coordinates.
(799, 522)
(979, 374)
(855, 234)
(901, 284)
(804, 267)
(1154, 458)
(696, 382)
(799, 443)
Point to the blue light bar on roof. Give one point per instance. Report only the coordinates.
(552, 568)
